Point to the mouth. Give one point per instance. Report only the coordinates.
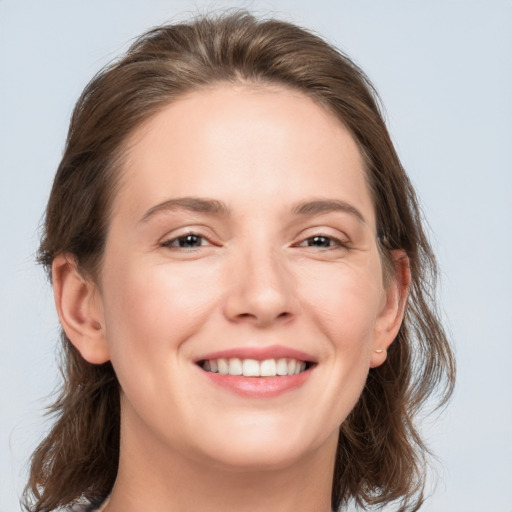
(248, 367)
(257, 372)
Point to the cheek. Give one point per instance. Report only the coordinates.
(150, 310)
(345, 303)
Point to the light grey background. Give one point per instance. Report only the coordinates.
(444, 71)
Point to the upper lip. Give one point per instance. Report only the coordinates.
(258, 353)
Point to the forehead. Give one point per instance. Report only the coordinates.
(239, 142)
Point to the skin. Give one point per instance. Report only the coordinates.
(253, 277)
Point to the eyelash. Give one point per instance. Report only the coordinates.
(336, 242)
(170, 243)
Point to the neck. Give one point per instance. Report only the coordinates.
(153, 478)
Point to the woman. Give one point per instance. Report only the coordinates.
(243, 283)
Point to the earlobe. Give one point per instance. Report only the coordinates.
(392, 314)
(80, 311)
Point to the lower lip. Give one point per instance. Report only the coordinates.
(258, 387)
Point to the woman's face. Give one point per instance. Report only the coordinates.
(242, 239)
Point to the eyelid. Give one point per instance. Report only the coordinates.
(340, 237)
(337, 243)
(169, 243)
(167, 240)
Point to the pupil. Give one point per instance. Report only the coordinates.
(320, 241)
(189, 241)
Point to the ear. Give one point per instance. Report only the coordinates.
(80, 309)
(393, 310)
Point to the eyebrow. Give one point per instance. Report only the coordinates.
(321, 206)
(216, 207)
(193, 204)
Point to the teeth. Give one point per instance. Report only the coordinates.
(235, 366)
(282, 367)
(268, 368)
(254, 368)
(223, 366)
(251, 368)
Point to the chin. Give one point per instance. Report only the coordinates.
(257, 459)
(266, 449)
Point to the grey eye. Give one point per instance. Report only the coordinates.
(188, 241)
(319, 241)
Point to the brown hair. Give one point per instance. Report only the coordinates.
(381, 457)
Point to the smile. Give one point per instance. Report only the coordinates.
(254, 368)
(257, 372)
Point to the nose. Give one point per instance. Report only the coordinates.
(261, 290)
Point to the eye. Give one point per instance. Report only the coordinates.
(186, 241)
(323, 242)
(319, 241)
